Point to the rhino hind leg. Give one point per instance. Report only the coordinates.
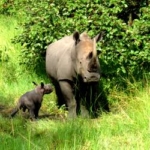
(24, 108)
(19, 107)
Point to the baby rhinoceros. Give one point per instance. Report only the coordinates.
(32, 100)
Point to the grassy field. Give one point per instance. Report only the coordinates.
(126, 127)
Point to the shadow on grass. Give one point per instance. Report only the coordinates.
(52, 116)
(5, 112)
(6, 109)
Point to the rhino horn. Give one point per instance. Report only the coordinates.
(96, 39)
(99, 37)
(94, 48)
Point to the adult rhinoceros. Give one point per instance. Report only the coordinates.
(73, 66)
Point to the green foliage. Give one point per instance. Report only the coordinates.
(12, 7)
(126, 47)
(125, 127)
(126, 24)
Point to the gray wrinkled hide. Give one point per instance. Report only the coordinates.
(66, 60)
(59, 63)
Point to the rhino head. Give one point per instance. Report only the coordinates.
(86, 59)
(43, 88)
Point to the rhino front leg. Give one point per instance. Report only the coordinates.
(69, 98)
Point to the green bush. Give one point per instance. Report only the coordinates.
(125, 49)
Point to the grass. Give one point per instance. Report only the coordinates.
(126, 127)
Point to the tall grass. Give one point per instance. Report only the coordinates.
(126, 127)
(14, 78)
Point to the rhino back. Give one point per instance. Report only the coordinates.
(30, 97)
(58, 59)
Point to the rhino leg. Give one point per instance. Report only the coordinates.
(84, 112)
(36, 111)
(60, 99)
(68, 95)
(32, 115)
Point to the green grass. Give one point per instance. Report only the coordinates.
(126, 127)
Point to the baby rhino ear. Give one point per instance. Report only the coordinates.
(34, 83)
(42, 85)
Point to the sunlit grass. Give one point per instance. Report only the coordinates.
(126, 128)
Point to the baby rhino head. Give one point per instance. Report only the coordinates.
(43, 88)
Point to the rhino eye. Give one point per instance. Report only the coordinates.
(90, 55)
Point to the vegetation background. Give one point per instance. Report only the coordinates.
(27, 27)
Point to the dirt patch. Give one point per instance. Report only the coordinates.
(5, 110)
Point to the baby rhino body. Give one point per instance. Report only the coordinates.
(32, 100)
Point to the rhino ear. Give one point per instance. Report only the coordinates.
(99, 52)
(76, 37)
(34, 83)
(42, 85)
(99, 37)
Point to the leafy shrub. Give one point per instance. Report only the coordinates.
(125, 49)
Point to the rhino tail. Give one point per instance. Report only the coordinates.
(14, 112)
